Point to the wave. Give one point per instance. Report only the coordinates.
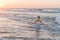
(41, 10)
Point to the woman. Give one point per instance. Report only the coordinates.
(37, 23)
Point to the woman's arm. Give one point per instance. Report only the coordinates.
(42, 22)
(34, 22)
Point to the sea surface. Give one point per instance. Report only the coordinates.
(16, 24)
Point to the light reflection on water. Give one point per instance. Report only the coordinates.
(26, 18)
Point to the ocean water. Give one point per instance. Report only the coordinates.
(15, 24)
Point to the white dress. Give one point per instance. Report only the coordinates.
(37, 25)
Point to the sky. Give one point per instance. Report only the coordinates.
(29, 3)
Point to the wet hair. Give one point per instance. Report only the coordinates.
(38, 17)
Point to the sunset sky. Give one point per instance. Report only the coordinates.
(29, 3)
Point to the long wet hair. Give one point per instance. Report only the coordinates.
(38, 17)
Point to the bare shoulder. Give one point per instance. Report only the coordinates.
(40, 20)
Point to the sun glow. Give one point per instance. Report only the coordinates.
(2, 3)
(29, 3)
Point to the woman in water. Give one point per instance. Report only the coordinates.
(37, 25)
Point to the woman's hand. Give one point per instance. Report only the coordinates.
(46, 24)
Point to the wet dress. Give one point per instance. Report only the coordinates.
(37, 26)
